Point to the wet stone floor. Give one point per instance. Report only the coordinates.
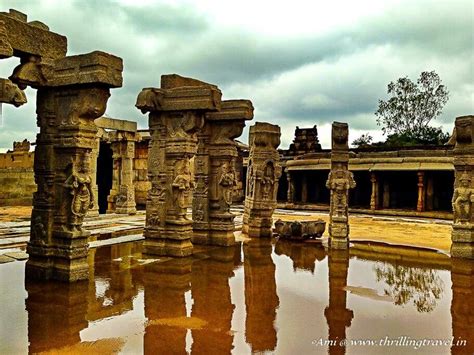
(259, 296)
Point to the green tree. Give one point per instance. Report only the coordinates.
(406, 115)
(363, 141)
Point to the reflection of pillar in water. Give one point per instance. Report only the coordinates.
(261, 299)
(462, 305)
(303, 255)
(337, 315)
(165, 284)
(212, 301)
(56, 314)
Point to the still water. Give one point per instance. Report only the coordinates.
(260, 296)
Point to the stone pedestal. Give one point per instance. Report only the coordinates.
(122, 196)
(263, 173)
(463, 197)
(339, 182)
(215, 173)
(177, 112)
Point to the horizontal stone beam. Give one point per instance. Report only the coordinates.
(232, 110)
(92, 68)
(115, 124)
(171, 81)
(179, 99)
(34, 38)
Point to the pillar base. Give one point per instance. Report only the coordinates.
(131, 210)
(462, 250)
(43, 269)
(339, 243)
(173, 240)
(462, 236)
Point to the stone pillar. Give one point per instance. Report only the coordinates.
(420, 205)
(94, 211)
(177, 113)
(338, 316)
(386, 195)
(263, 173)
(215, 173)
(304, 187)
(429, 196)
(116, 168)
(463, 197)
(374, 196)
(122, 196)
(291, 187)
(340, 180)
(462, 305)
(74, 92)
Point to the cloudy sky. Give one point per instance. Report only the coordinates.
(300, 62)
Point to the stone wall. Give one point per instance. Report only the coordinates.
(17, 180)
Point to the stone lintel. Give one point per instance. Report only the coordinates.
(171, 81)
(116, 124)
(186, 98)
(232, 110)
(32, 38)
(91, 68)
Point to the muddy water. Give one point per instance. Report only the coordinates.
(258, 297)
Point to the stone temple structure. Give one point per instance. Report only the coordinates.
(177, 113)
(215, 173)
(263, 172)
(340, 180)
(72, 92)
(463, 197)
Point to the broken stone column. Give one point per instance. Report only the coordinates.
(463, 225)
(177, 112)
(215, 173)
(263, 172)
(340, 180)
(122, 196)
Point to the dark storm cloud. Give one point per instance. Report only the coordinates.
(336, 74)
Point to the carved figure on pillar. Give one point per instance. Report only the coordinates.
(216, 174)
(340, 180)
(463, 197)
(263, 173)
(177, 112)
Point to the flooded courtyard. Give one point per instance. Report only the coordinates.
(259, 296)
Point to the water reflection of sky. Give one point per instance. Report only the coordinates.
(268, 298)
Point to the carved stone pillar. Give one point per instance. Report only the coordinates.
(94, 211)
(122, 196)
(386, 195)
(263, 173)
(420, 205)
(116, 168)
(177, 113)
(374, 196)
(215, 174)
(291, 187)
(463, 197)
(304, 187)
(340, 180)
(429, 195)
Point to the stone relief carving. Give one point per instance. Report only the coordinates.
(463, 198)
(339, 182)
(183, 185)
(227, 181)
